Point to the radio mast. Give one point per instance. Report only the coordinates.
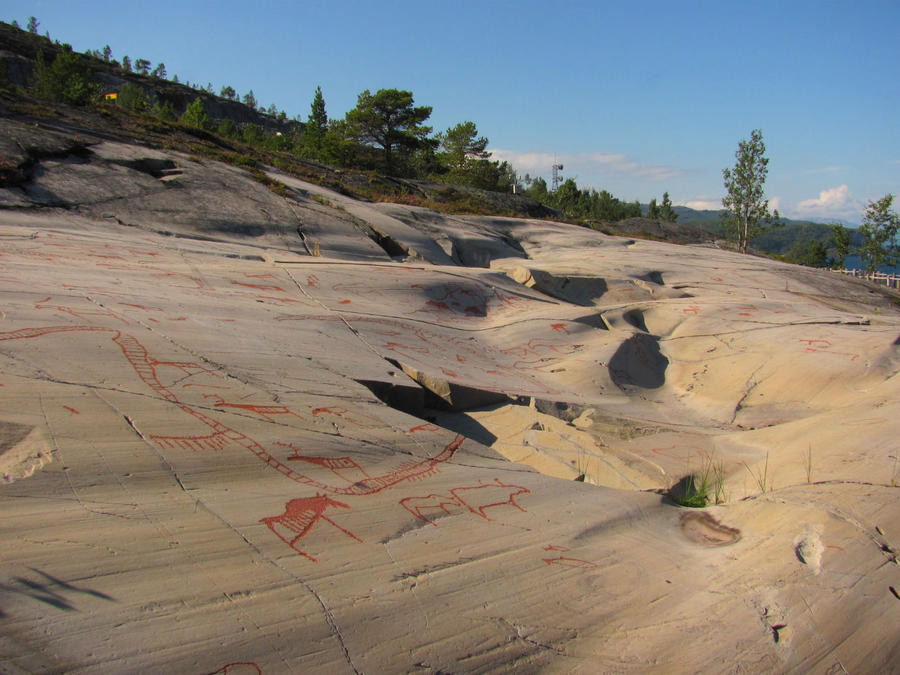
(557, 176)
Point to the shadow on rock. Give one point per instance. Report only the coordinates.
(638, 362)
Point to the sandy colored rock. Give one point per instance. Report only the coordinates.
(247, 472)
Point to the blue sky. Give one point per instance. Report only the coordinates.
(634, 97)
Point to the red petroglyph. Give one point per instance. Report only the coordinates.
(537, 345)
(417, 505)
(559, 327)
(239, 668)
(719, 279)
(345, 468)
(264, 411)
(143, 307)
(494, 372)
(449, 373)
(466, 302)
(425, 427)
(71, 410)
(552, 547)
(78, 313)
(26, 333)
(460, 358)
(146, 367)
(539, 365)
(345, 302)
(198, 283)
(265, 275)
(405, 350)
(693, 309)
(215, 442)
(835, 547)
(570, 562)
(259, 287)
(412, 470)
(813, 342)
(107, 257)
(476, 499)
(313, 281)
(274, 299)
(176, 318)
(299, 517)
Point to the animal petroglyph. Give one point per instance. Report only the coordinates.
(476, 499)
(299, 517)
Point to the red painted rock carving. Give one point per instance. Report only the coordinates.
(476, 499)
(299, 517)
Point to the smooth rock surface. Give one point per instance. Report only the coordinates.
(202, 471)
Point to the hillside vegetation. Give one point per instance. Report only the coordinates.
(368, 153)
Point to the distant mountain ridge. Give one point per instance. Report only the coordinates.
(698, 217)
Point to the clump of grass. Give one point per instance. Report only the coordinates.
(697, 489)
(583, 466)
(808, 457)
(324, 201)
(763, 481)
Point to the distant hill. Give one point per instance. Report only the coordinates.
(19, 50)
(778, 240)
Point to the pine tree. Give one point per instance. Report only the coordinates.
(666, 212)
(318, 120)
(196, 116)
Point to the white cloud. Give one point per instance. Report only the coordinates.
(836, 202)
(702, 204)
(826, 169)
(585, 163)
(707, 204)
